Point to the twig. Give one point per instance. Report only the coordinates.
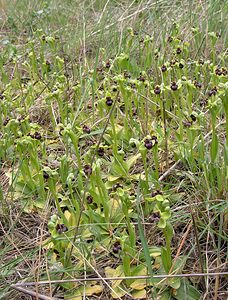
(198, 243)
(181, 246)
(31, 293)
(124, 278)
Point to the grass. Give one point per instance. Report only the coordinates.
(113, 148)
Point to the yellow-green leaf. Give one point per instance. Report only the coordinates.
(138, 284)
(118, 292)
(139, 294)
(118, 272)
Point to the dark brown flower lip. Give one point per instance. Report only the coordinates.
(115, 250)
(157, 90)
(116, 247)
(224, 71)
(87, 170)
(6, 121)
(60, 228)
(197, 84)
(89, 199)
(218, 72)
(178, 51)
(86, 129)
(141, 78)
(36, 136)
(109, 101)
(108, 64)
(203, 102)
(193, 117)
(117, 244)
(154, 217)
(174, 86)
(116, 186)
(213, 91)
(170, 39)
(173, 62)
(148, 144)
(163, 68)
(126, 75)
(100, 151)
(45, 175)
(156, 192)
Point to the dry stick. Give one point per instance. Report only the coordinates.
(178, 252)
(31, 293)
(124, 278)
(198, 244)
(181, 246)
(86, 186)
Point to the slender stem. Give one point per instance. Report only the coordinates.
(165, 134)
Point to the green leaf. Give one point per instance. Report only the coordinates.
(119, 167)
(112, 178)
(132, 160)
(179, 264)
(187, 292)
(89, 290)
(139, 284)
(118, 272)
(174, 283)
(169, 232)
(118, 292)
(142, 294)
(145, 246)
(165, 296)
(155, 251)
(214, 147)
(144, 241)
(165, 259)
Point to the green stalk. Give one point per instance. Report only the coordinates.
(145, 245)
